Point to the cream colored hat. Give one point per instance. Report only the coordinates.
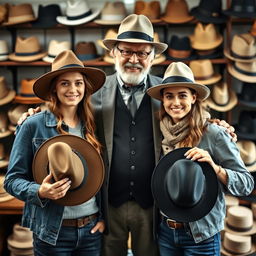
(179, 74)
(231, 201)
(4, 131)
(111, 33)
(205, 37)
(237, 245)
(245, 72)
(222, 98)
(248, 154)
(55, 47)
(14, 113)
(4, 196)
(6, 94)
(3, 50)
(240, 221)
(243, 48)
(204, 72)
(136, 29)
(112, 13)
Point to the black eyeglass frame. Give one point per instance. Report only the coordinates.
(141, 55)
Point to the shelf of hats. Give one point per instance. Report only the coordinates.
(216, 40)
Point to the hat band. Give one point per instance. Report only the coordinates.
(3, 54)
(26, 53)
(244, 72)
(179, 54)
(135, 34)
(78, 17)
(86, 56)
(29, 95)
(242, 56)
(208, 13)
(239, 229)
(221, 105)
(204, 77)
(175, 79)
(70, 66)
(234, 253)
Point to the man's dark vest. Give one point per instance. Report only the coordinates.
(133, 157)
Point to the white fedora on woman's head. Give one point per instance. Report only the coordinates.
(179, 74)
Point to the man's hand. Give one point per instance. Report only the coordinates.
(31, 112)
(230, 129)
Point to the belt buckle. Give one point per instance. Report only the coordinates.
(171, 223)
(81, 222)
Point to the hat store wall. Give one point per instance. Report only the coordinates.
(215, 40)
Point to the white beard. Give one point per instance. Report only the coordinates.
(130, 78)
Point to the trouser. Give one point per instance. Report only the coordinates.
(130, 217)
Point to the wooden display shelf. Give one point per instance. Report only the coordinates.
(13, 206)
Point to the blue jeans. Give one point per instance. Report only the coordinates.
(179, 242)
(71, 241)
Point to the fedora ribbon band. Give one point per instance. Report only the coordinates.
(204, 77)
(242, 56)
(239, 229)
(26, 53)
(231, 251)
(86, 56)
(78, 17)
(221, 105)
(71, 65)
(179, 54)
(135, 34)
(208, 13)
(244, 72)
(174, 79)
(3, 54)
(51, 55)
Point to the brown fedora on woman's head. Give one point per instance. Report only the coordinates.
(27, 49)
(179, 74)
(73, 157)
(67, 61)
(204, 72)
(135, 29)
(205, 37)
(184, 190)
(243, 48)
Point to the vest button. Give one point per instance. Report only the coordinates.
(133, 152)
(132, 167)
(133, 139)
(132, 183)
(133, 123)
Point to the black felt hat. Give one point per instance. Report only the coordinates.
(248, 95)
(184, 190)
(209, 13)
(242, 9)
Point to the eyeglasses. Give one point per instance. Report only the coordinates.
(128, 54)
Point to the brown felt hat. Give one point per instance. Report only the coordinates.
(67, 61)
(179, 74)
(86, 51)
(150, 9)
(6, 94)
(4, 121)
(73, 157)
(135, 29)
(177, 12)
(20, 13)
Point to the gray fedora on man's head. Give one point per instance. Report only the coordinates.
(184, 190)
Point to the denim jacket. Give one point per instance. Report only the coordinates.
(43, 217)
(240, 182)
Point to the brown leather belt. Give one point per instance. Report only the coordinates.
(173, 224)
(79, 223)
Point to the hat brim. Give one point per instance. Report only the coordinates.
(177, 20)
(5, 133)
(42, 85)
(163, 200)
(8, 98)
(223, 108)
(202, 91)
(159, 47)
(229, 56)
(250, 253)
(159, 59)
(14, 57)
(65, 21)
(214, 79)
(4, 57)
(240, 76)
(93, 160)
(27, 100)
(19, 21)
(205, 46)
(48, 59)
(4, 163)
(6, 197)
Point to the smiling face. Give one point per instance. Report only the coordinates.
(133, 70)
(177, 102)
(70, 88)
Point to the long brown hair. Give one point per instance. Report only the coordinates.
(84, 112)
(196, 119)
